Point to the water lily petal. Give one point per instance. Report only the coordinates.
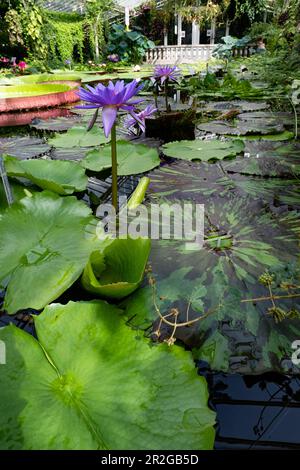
(109, 115)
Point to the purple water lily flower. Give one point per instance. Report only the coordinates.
(139, 118)
(110, 98)
(113, 57)
(165, 72)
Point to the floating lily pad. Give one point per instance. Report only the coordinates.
(57, 176)
(78, 136)
(240, 127)
(276, 191)
(268, 116)
(73, 154)
(45, 77)
(251, 244)
(186, 180)
(250, 339)
(203, 150)
(45, 242)
(24, 90)
(281, 136)
(263, 165)
(86, 393)
(242, 240)
(23, 147)
(18, 191)
(132, 158)
(118, 270)
(289, 149)
(201, 182)
(237, 104)
(58, 124)
(253, 147)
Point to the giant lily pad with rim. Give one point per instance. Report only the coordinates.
(25, 91)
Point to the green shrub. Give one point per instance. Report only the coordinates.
(130, 46)
(271, 34)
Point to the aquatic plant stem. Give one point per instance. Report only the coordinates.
(166, 95)
(5, 182)
(296, 119)
(156, 100)
(163, 317)
(275, 297)
(114, 167)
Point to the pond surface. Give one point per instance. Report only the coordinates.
(251, 226)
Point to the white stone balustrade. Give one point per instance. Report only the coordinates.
(186, 54)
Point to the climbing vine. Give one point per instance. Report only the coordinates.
(33, 24)
(14, 27)
(48, 35)
(25, 25)
(65, 36)
(251, 8)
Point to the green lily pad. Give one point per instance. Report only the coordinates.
(18, 192)
(78, 136)
(118, 269)
(98, 386)
(45, 242)
(58, 176)
(204, 150)
(132, 158)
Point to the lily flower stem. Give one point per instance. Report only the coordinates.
(155, 100)
(114, 167)
(166, 95)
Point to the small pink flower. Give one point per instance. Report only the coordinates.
(22, 65)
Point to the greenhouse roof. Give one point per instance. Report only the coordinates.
(78, 5)
(65, 6)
